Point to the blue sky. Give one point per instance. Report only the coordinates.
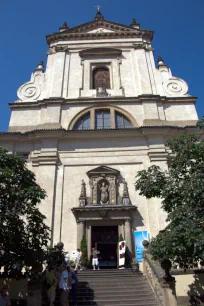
(178, 26)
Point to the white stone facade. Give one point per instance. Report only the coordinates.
(41, 123)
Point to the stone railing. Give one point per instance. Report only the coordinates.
(162, 285)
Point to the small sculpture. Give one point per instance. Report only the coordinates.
(83, 190)
(125, 198)
(82, 198)
(104, 194)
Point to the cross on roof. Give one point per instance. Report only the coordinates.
(98, 7)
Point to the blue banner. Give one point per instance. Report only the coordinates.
(139, 238)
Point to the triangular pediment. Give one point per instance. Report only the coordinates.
(99, 29)
(101, 25)
(102, 170)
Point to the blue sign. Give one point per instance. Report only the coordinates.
(139, 238)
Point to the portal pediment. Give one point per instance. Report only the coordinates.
(103, 170)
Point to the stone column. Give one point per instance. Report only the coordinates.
(80, 232)
(121, 230)
(128, 234)
(89, 241)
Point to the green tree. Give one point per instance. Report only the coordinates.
(84, 251)
(182, 192)
(23, 234)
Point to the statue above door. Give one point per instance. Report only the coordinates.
(104, 189)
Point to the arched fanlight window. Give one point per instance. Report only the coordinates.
(83, 123)
(104, 118)
(121, 122)
(101, 78)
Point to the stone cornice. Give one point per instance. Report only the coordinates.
(101, 212)
(60, 134)
(66, 36)
(104, 207)
(109, 100)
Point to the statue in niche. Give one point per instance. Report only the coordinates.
(104, 193)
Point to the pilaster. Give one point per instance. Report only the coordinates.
(128, 234)
(80, 232)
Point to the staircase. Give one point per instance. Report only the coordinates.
(114, 287)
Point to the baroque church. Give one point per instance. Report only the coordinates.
(99, 112)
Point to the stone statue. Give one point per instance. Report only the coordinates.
(83, 190)
(104, 194)
(82, 198)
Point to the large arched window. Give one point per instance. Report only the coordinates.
(103, 118)
(83, 123)
(101, 78)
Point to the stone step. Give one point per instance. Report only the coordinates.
(111, 282)
(140, 290)
(115, 302)
(123, 295)
(100, 272)
(98, 276)
(113, 288)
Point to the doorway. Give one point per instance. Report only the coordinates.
(105, 240)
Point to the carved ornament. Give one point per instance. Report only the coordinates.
(175, 87)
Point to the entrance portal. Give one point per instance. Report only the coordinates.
(105, 239)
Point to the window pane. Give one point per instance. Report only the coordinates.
(86, 124)
(83, 123)
(121, 121)
(102, 119)
(118, 121)
(78, 125)
(127, 123)
(106, 119)
(98, 120)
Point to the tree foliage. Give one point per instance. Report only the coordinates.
(23, 233)
(182, 192)
(84, 251)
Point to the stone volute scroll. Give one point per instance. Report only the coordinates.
(32, 90)
(173, 86)
(82, 198)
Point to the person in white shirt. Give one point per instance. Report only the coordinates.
(78, 262)
(67, 258)
(65, 285)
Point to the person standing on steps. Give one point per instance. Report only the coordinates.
(95, 262)
(74, 286)
(51, 283)
(65, 284)
(78, 260)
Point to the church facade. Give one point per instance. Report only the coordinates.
(100, 112)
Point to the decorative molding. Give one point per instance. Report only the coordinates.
(100, 52)
(44, 158)
(142, 45)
